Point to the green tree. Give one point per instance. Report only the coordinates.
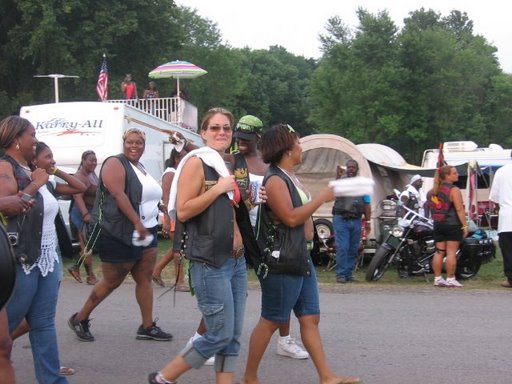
(70, 37)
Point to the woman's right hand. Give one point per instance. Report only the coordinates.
(226, 184)
(40, 177)
(141, 230)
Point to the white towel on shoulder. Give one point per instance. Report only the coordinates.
(210, 157)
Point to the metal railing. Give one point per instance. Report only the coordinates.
(172, 109)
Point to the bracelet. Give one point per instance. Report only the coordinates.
(464, 227)
(368, 221)
(37, 186)
(85, 214)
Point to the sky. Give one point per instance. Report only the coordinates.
(296, 24)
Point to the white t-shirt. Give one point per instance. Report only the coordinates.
(48, 257)
(151, 195)
(419, 195)
(253, 213)
(501, 193)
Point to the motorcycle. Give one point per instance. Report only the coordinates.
(411, 247)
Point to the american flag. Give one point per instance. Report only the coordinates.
(102, 85)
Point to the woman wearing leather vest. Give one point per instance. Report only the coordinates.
(126, 209)
(288, 210)
(450, 225)
(204, 196)
(34, 239)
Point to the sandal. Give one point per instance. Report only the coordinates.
(75, 272)
(182, 288)
(350, 380)
(91, 280)
(66, 371)
(158, 280)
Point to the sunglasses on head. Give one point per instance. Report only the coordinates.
(288, 127)
(247, 128)
(218, 128)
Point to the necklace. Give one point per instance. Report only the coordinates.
(294, 180)
(25, 167)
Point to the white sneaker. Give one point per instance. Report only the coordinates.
(288, 347)
(211, 360)
(440, 283)
(453, 283)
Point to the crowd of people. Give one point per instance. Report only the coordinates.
(255, 190)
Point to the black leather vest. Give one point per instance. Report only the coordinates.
(210, 234)
(113, 221)
(28, 226)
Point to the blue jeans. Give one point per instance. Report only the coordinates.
(35, 298)
(221, 295)
(348, 236)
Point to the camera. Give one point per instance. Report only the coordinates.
(13, 238)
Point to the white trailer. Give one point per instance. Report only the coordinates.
(69, 129)
(72, 128)
(477, 167)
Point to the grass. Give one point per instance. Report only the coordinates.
(489, 276)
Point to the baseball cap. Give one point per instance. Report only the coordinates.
(248, 127)
(415, 178)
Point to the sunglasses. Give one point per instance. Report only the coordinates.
(218, 128)
(247, 128)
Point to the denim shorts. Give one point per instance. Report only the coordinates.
(282, 293)
(113, 250)
(75, 216)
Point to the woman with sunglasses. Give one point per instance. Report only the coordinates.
(289, 207)
(205, 197)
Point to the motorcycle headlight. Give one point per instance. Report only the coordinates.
(397, 231)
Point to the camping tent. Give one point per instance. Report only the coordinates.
(323, 152)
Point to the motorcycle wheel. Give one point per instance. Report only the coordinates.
(379, 264)
(466, 269)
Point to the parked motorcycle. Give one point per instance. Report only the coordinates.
(410, 246)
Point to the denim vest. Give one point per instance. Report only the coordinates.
(28, 225)
(113, 220)
(210, 234)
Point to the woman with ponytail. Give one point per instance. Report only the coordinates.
(450, 225)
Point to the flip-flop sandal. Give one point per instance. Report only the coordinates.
(66, 371)
(183, 288)
(350, 380)
(75, 272)
(158, 280)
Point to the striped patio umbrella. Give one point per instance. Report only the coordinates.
(177, 69)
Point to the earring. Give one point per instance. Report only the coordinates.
(289, 153)
(18, 146)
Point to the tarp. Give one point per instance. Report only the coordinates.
(410, 169)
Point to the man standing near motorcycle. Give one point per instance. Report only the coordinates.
(413, 196)
(501, 194)
(348, 212)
